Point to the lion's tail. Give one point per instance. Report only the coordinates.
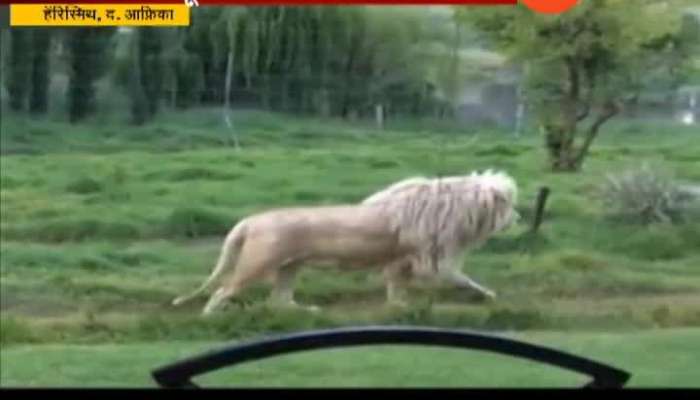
(227, 259)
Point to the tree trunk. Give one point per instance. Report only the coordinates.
(564, 155)
(379, 116)
(266, 92)
(173, 94)
(20, 66)
(323, 107)
(610, 109)
(38, 100)
(539, 208)
(560, 134)
(229, 77)
(88, 50)
(81, 94)
(150, 68)
(519, 118)
(139, 103)
(560, 146)
(284, 94)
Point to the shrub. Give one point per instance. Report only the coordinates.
(646, 194)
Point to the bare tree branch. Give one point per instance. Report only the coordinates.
(586, 111)
(574, 79)
(587, 102)
(610, 109)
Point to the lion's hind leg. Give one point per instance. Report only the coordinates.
(216, 300)
(249, 270)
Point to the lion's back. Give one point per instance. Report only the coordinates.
(325, 220)
(330, 232)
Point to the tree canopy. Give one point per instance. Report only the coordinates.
(584, 65)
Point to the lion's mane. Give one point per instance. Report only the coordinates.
(443, 217)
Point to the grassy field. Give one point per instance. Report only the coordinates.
(674, 364)
(102, 225)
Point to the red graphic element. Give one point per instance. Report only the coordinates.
(272, 2)
(550, 6)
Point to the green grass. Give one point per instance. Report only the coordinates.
(104, 224)
(129, 365)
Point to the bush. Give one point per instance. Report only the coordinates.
(646, 195)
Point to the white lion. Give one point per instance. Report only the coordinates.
(418, 227)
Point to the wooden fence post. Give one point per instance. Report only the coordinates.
(539, 208)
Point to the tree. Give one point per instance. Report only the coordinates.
(142, 71)
(90, 53)
(28, 80)
(317, 60)
(18, 82)
(150, 48)
(201, 42)
(41, 45)
(140, 109)
(583, 64)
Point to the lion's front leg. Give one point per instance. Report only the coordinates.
(396, 277)
(460, 280)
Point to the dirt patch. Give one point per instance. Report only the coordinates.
(13, 302)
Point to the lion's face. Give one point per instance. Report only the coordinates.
(506, 215)
(511, 219)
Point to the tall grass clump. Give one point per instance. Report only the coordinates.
(647, 195)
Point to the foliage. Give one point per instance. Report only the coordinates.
(28, 76)
(646, 194)
(18, 80)
(581, 66)
(90, 55)
(327, 61)
(41, 45)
